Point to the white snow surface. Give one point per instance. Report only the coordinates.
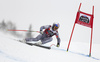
(14, 51)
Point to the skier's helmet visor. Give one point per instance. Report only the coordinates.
(56, 26)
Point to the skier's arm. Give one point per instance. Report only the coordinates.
(58, 39)
(44, 27)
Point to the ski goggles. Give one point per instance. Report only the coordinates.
(56, 27)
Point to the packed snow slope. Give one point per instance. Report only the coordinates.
(14, 51)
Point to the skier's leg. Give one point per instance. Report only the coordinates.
(46, 40)
(34, 39)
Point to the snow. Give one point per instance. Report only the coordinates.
(45, 12)
(14, 51)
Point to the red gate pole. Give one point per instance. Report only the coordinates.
(73, 28)
(91, 32)
(79, 7)
(71, 37)
(91, 41)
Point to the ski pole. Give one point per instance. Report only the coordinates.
(23, 30)
(52, 45)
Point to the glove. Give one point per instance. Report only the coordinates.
(58, 44)
(41, 32)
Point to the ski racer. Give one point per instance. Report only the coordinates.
(46, 33)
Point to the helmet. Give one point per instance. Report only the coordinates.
(55, 25)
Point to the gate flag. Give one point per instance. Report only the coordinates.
(84, 19)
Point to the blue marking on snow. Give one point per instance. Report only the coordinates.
(84, 55)
(55, 48)
(11, 57)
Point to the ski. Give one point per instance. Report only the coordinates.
(34, 44)
(47, 47)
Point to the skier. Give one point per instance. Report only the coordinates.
(46, 35)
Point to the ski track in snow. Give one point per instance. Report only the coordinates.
(84, 55)
(3, 54)
(76, 53)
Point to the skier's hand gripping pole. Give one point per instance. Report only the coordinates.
(58, 44)
(41, 32)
